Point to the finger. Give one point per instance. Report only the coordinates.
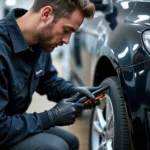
(74, 97)
(78, 111)
(87, 93)
(78, 105)
(92, 89)
(72, 121)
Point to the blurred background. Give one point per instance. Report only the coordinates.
(61, 61)
(7, 5)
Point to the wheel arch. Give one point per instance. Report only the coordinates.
(104, 69)
(101, 73)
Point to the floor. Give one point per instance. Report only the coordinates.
(80, 128)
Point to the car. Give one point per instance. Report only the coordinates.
(113, 49)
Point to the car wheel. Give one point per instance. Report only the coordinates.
(108, 127)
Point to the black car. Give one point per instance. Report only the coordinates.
(114, 49)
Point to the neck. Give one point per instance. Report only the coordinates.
(28, 24)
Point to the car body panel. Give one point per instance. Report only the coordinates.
(117, 39)
(135, 83)
(140, 14)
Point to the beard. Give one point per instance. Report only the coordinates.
(44, 38)
(46, 47)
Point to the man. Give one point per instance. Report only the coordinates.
(26, 37)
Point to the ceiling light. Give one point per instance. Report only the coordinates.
(10, 3)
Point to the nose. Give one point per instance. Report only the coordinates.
(66, 39)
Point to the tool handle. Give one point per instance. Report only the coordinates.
(95, 93)
(95, 99)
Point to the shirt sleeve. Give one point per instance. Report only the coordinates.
(55, 87)
(14, 128)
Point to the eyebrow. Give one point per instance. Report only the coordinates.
(74, 30)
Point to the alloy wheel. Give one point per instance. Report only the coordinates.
(103, 126)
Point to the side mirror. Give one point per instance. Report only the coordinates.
(106, 6)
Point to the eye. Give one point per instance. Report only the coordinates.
(67, 31)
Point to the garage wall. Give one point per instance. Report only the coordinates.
(26, 4)
(1, 8)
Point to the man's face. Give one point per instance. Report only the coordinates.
(53, 34)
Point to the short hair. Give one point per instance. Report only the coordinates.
(64, 8)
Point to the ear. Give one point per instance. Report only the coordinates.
(46, 13)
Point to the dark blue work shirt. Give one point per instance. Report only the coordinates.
(24, 70)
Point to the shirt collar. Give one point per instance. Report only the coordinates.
(16, 36)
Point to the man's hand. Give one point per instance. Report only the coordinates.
(65, 112)
(84, 91)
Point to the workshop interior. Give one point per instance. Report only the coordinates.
(110, 51)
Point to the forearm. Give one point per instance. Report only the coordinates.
(50, 84)
(60, 90)
(55, 89)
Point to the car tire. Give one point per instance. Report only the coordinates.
(118, 137)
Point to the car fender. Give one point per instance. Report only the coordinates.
(106, 52)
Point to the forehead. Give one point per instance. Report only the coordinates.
(74, 21)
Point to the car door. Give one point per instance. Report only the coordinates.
(85, 41)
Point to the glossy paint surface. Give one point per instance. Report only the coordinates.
(136, 86)
(117, 37)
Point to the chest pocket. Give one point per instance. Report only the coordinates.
(16, 86)
(38, 73)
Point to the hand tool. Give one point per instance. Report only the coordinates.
(98, 95)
